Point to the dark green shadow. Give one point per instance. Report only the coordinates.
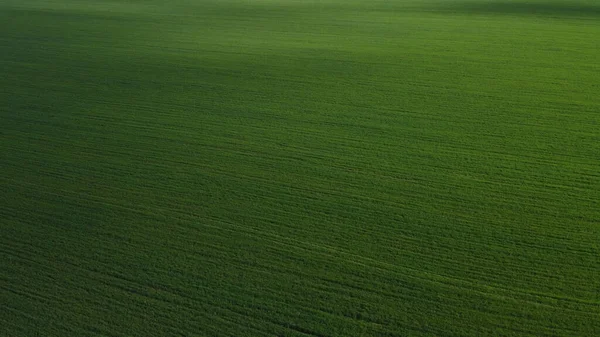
(549, 9)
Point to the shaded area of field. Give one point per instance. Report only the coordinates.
(294, 168)
(539, 8)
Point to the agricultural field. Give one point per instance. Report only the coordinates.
(299, 168)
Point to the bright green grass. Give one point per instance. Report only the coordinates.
(299, 168)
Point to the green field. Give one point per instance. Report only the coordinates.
(299, 168)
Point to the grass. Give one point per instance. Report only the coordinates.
(297, 168)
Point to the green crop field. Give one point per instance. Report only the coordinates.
(299, 168)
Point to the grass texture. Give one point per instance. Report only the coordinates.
(299, 168)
